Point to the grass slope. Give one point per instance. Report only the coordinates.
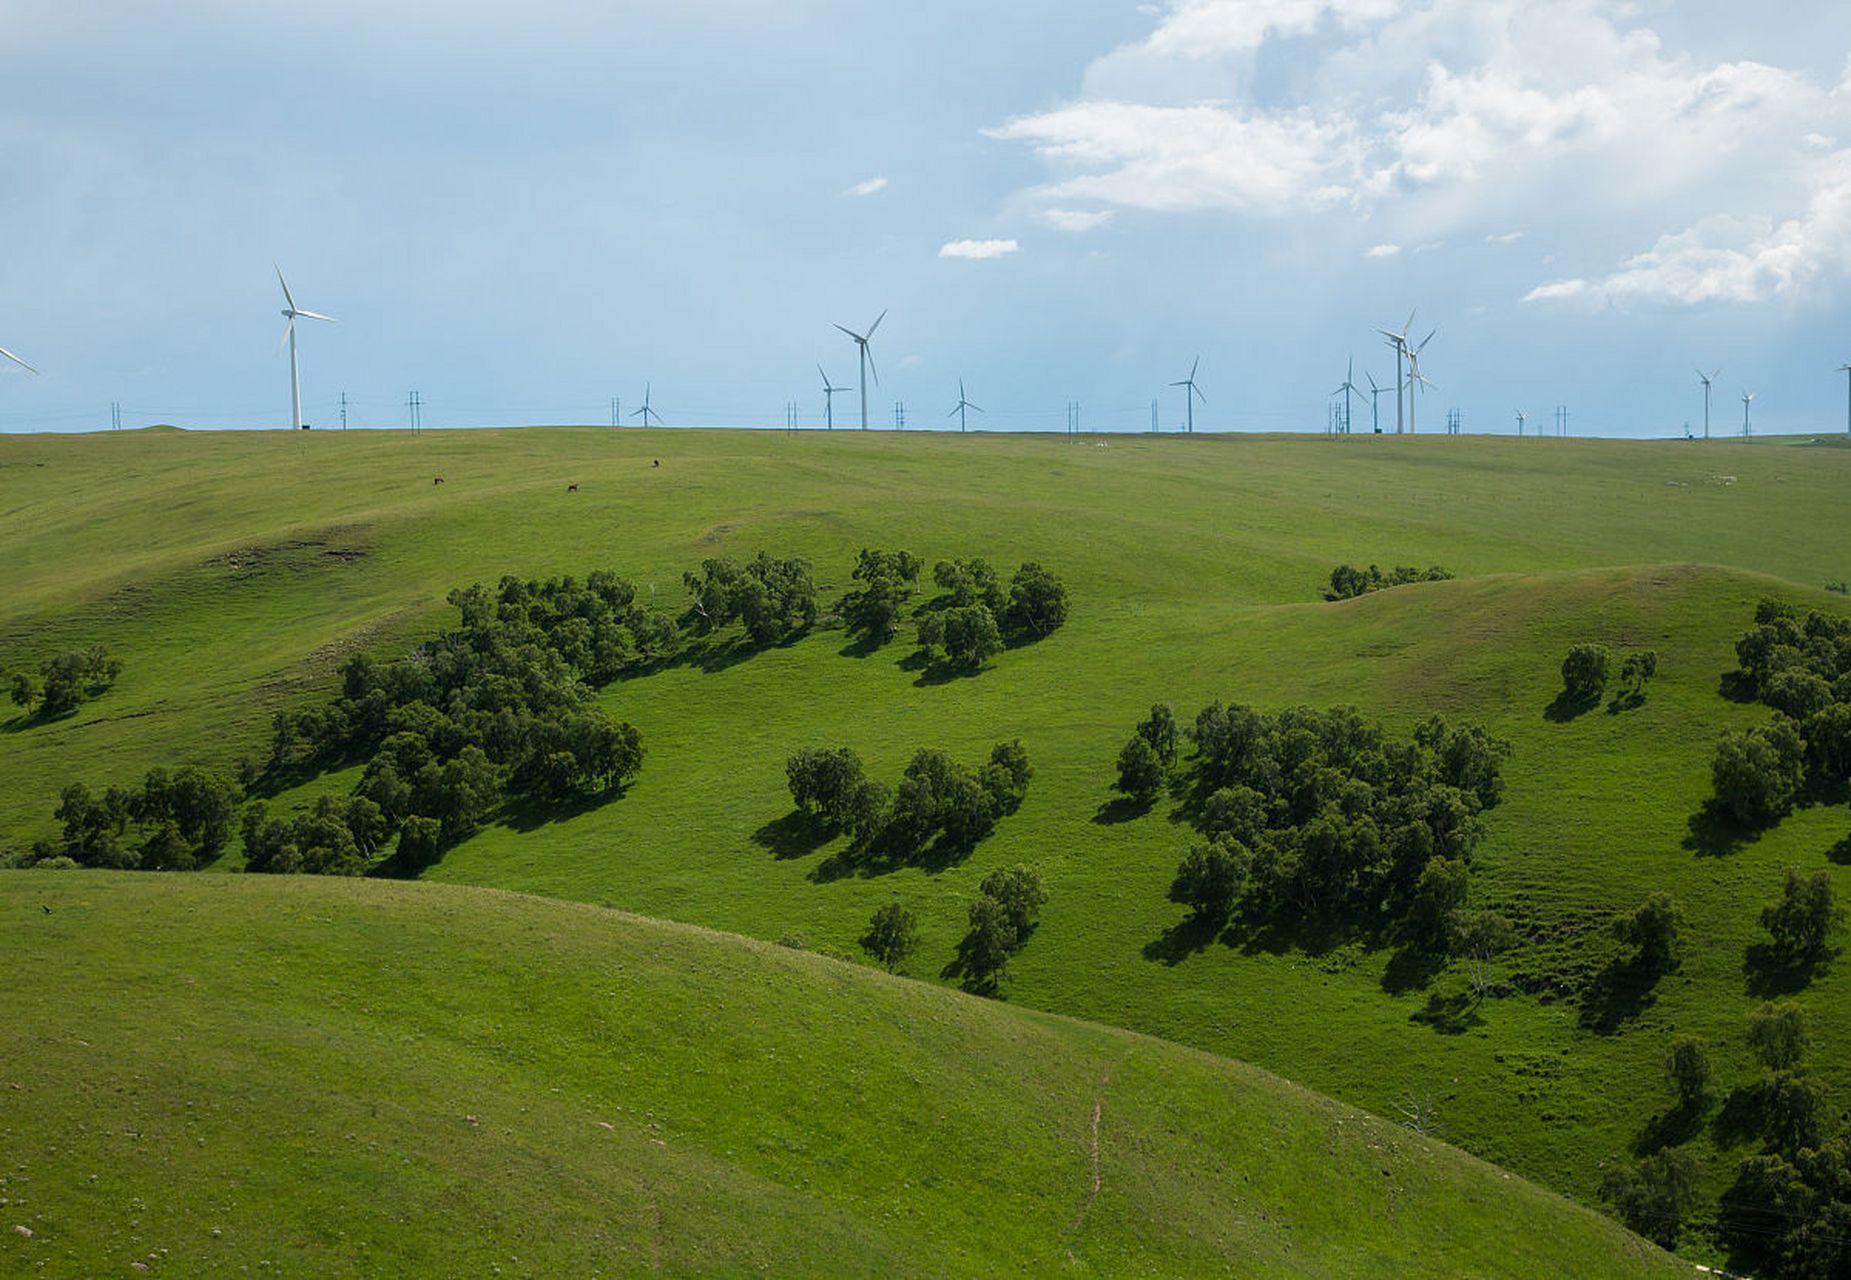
(208, 563)
(340, 1078)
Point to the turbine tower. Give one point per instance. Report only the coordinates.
(1846, 370)
(1416, 378)
(1708, 380)
(1346, 389)
(1522, 418)
(646, 413)
(1189, 396)
(291, 314)
(1399, 341)
(867, 361)
(963, 404)
(829, 400)
(1748, 431)
(1375, 405)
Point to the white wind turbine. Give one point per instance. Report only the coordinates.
(867, 361)
(1189, 395)
(1346, 389)
(1748, 398)
(1708, 380)
(1375, 405)
(830, 393)
(963, 404)
(646, 413)
(291, 314)
(1399, 341)
(1416, 378)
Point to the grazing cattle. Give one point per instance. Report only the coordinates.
(438, 480)
(571, 488)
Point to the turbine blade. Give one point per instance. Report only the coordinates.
(16, 360)
(1424, 341)
(288, 329)
(877, 323)
(1198, 392)
(1192, 368)
(978, 408)
(316, 315)
(279, 279)
(851, 333)
(825, 377)
(871, 368)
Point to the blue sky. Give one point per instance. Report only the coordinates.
(524, 210)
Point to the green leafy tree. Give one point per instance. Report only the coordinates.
(1438, 894)
(967, 633)
(1778, 1035)
(1584, 672)
(1687, 1069)
(892, 936)
(1636, 671)
(1652, 929)
(969, 582)
(1140, 771)
(1757, 772)
(826, 782)
(1018, 890)
(1210, 879)
(1159, 730)
(420, 843)
(1006, 775)
(1656, 1197)
(1803, 920)
(990, 942)
(1479, 937)
(1037, 602)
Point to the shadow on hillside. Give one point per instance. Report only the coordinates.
(1123, 809)
(798, 834)
(1742, 1117)
(525, 815)
(1671, 1128)
(1412, 968)
(861, 647)
(1452, 1015)
(936, 671)
(1771, 973)
(275, 779)
(1624, 703)
(1713, 833)
(1188, 936)
(960, 971)
(1840, 852)
(1567, 707)
(1618, 994)
(1737, 686)
(884, 858)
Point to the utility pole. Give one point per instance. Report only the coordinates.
(613, 411)
(1561, 421)
(414, 405)
(1155, 427)
(899, 415)
(1846, 370)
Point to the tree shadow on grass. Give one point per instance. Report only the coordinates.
(797, 834)
(1618, 994)
(525, 814)
(1624, 703)
(1737, 686)
(1452, 1015)
(939, 671)
(1183, 939)
(1123, 809)
(1742, 1116)
(1840, 853)
(1567, 707)
(1771, 972)
(1413, 967)
(861, 647)
(1671, 1128)
(1713, 833)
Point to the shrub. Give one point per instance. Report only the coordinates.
(1636, 671)
(892, 936)
(1347, 582)
(1652, 929)
(1777, 1034)
(1804, 918)
(1584, 672)
(1654, 1198)
(66, 681)
(1687, 1068)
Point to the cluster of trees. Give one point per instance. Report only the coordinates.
(1802, 669)
(171, 822)
(888, 579)
(501, 705)
(1321, 811)
(975, 616)
(774, 599)
(65, 682)
(938, 801)
(1347, 582)
(1588, 667)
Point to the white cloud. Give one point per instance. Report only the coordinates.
(1076, 220)
(870, 187)
(978, 250)
(1382, 251)
(1212, 28)
(1507, 237)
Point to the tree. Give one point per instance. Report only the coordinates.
(1159, 730)
(892, 936)
(1804, 918)
(1654, 1198)
(1037, 602)
(866, 813)
(969, 582)
(1687, 1068)
(1777, 1034)
(1584, 672)
(420, 843)
(1636, 671)
(1018, 890)
(990, 942)
(1005, 777)
(1140, 771)
(967, 633)
(1210, 878)
(1757, 772)
(1478, 937)
(1652, 928)
(1438, 894)
(826, 782)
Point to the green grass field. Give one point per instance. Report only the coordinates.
(232, 1076)
(233, 573)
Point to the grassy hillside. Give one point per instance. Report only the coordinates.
(233, 573)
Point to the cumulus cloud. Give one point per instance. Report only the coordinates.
(1076, 220)
(870, 187)
(978, 250)
(1382, 251)
(1451, 117)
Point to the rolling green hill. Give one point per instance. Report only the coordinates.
(233, 574)
(229, 1076)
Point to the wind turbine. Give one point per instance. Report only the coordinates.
(1346, 389)
(16, 360)
(963, 404)
(1748, 398)
(292, 314)
(1399, 341)
(1522, 418)
(1375, 404)
(1846, 370)
(1193, 391)
(1416, 378)
(867, 361)
(646, 413)
(829, 400)
(1708, 381)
